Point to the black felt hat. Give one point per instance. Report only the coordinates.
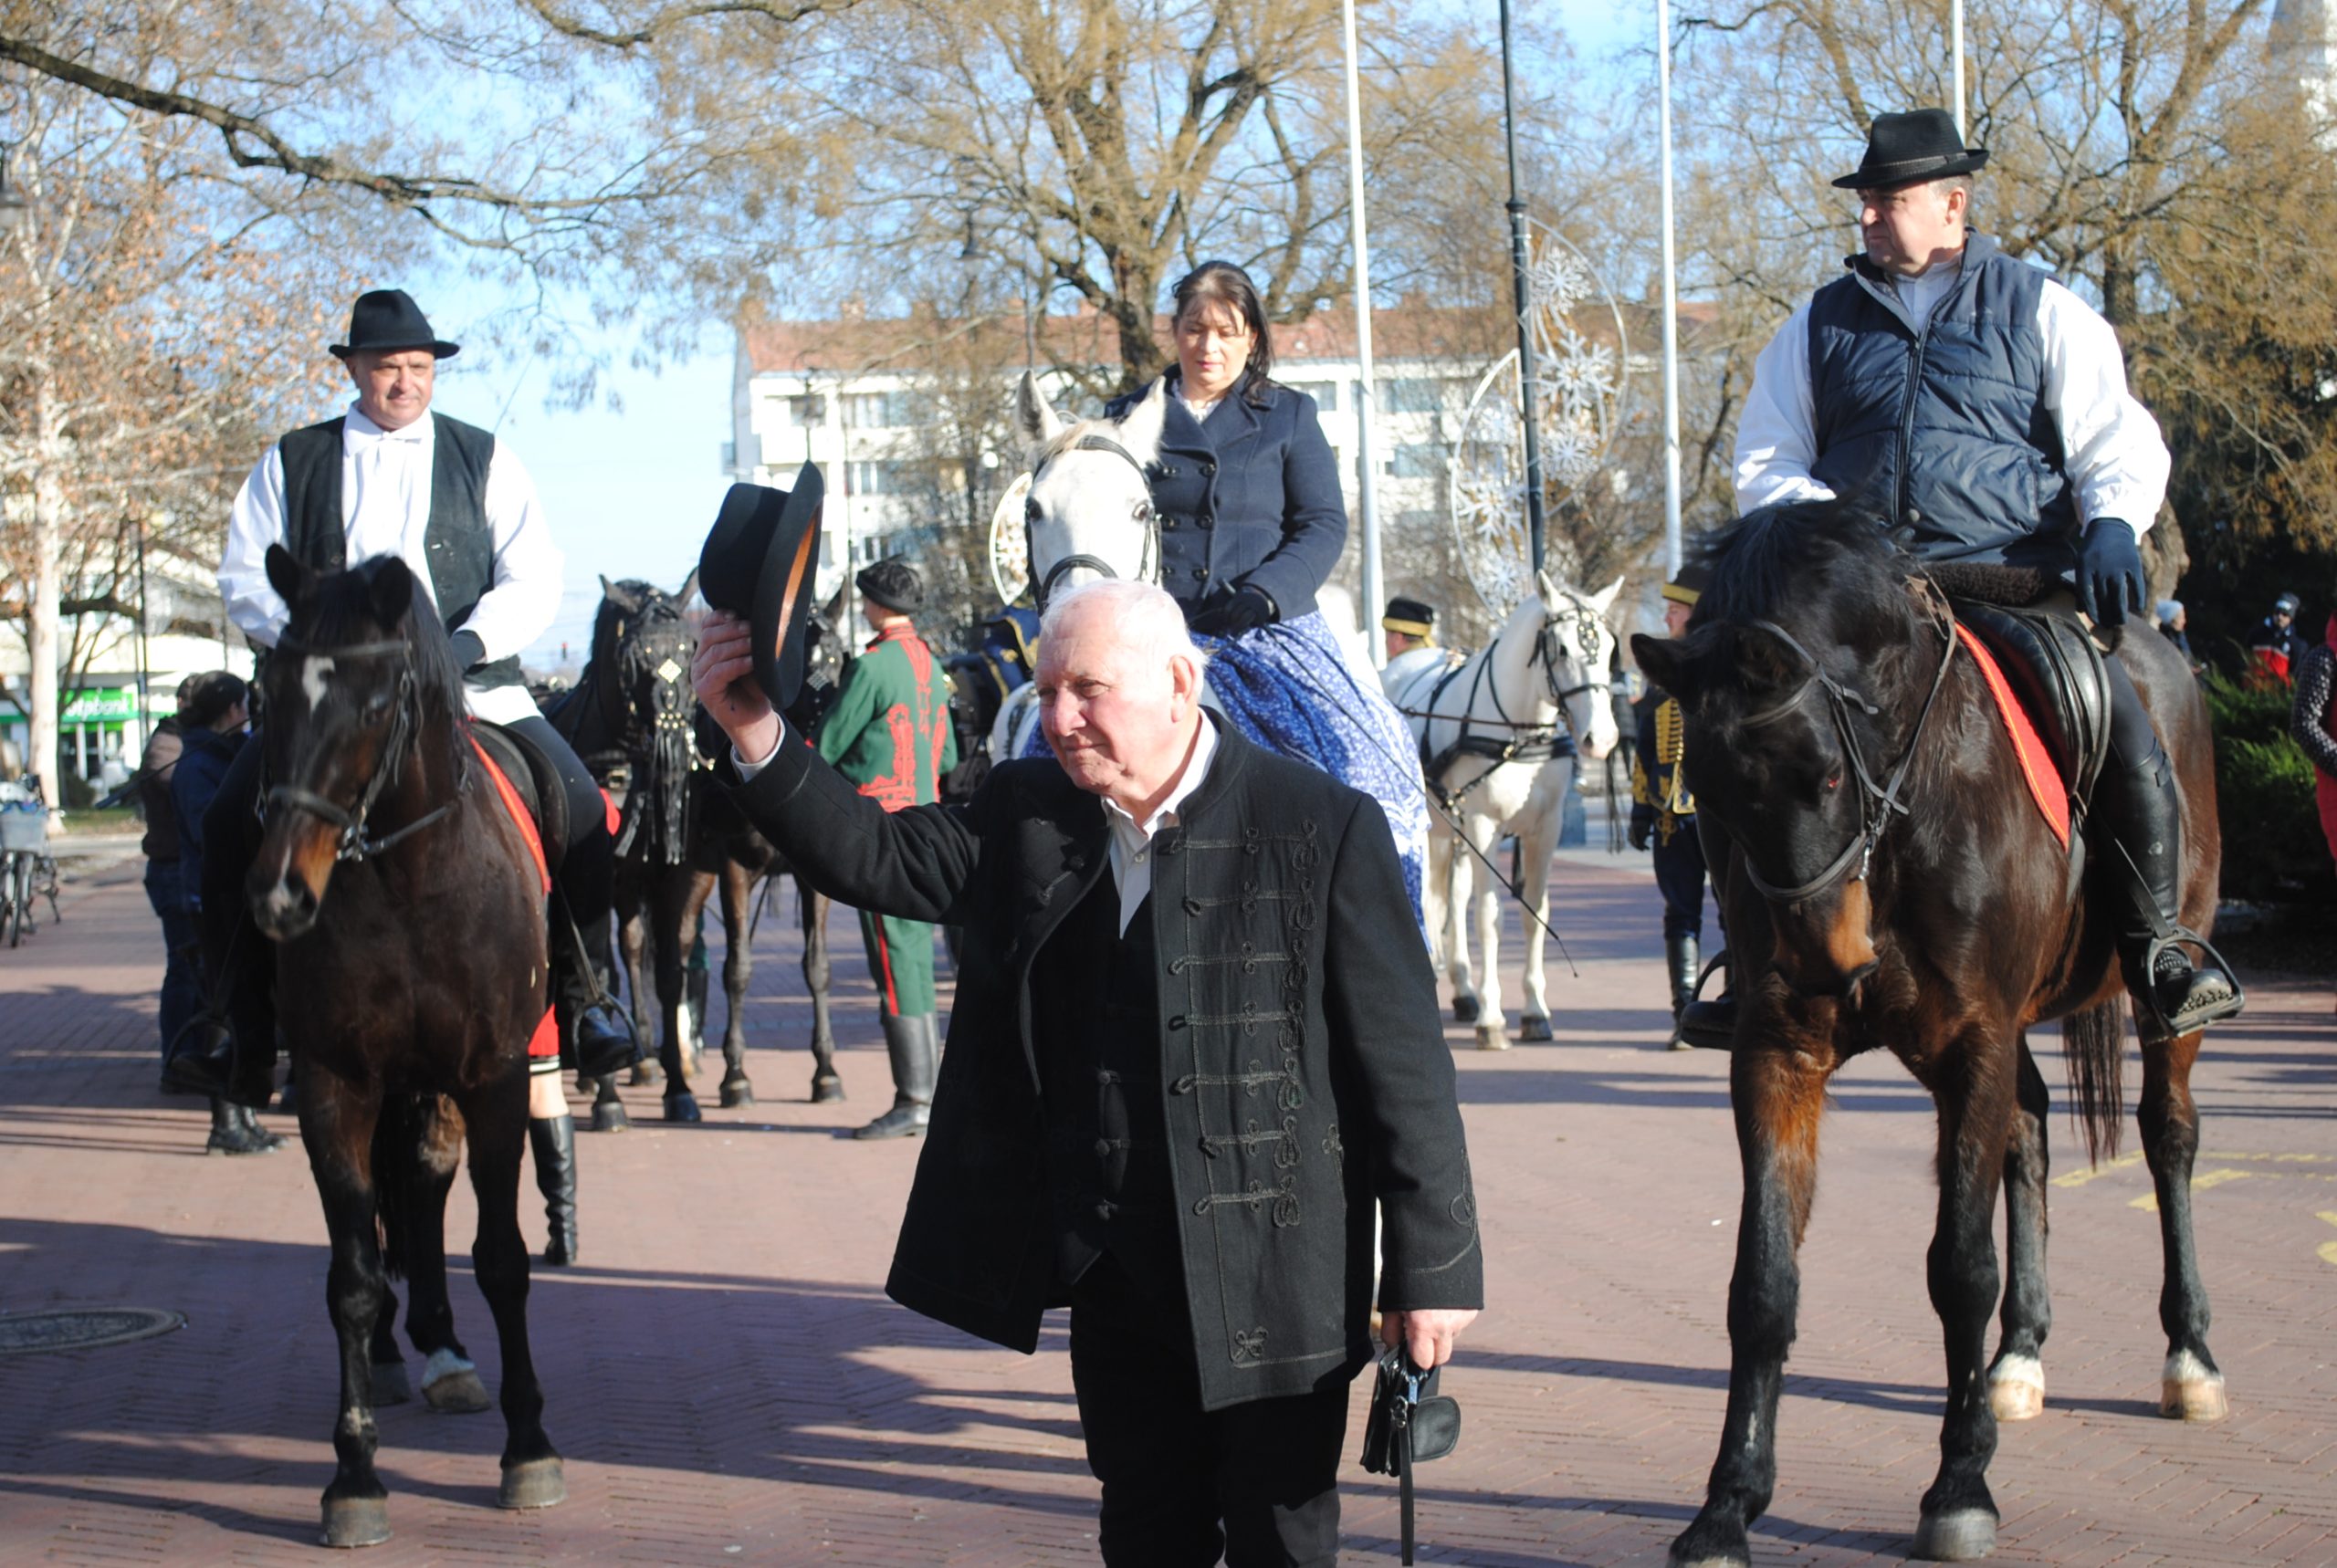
(1688, 584)
(893, 583)
(758, 562)
(1411, 617)
(386, 320)
(1921, 145)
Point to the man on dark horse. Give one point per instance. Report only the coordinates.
(390, 478)
(1981, 408)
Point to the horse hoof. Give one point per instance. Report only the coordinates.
(825, 1087)
(2193, 1398)
(1963, 1535)
(1722, 1560)
(736, 1091)
(1464, 1010)
(1491, 1037)
(1532, 1026)
(609, 1116)
(643, 1072)
(536, 1483)
(2017, 1389)
(682, 1107)
(391, 1385)
(450, 1386)
(356, 1521)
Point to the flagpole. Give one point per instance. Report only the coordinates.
(1528, 372)
(1671, 298)
(1373, 589)
(1955, 47)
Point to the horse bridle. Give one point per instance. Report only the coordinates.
(1877, 802)
(1527, 742)
(1147, 569)
(356, 843)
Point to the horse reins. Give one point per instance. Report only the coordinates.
(356, 843)
(1148, 567)
(1877, 802)
(1527, 742)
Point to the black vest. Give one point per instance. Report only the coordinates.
(457, 542)
(1941, 426)
(1096, 1017)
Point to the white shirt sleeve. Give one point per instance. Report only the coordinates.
(2110, 446)
(525, 598)
(256, 523)
(1776, 435)
(749, 769)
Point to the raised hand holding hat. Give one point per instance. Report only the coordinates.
(758, 564)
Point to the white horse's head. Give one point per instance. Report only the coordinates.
(1089, 512)
(1574, 652)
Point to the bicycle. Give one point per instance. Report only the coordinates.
(27, 871)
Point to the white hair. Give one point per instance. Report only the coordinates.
(1142, 614)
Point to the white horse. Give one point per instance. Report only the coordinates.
(1486, 726)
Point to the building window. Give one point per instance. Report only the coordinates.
(1417, 460)
(881, 411)
(806, 412)
(1415, 395)
(890, 476)
(1325, 393)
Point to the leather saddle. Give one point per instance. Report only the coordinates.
(536, 779)
(2056, 669)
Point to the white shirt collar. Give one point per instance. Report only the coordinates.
(366, 431)
(1123, 823)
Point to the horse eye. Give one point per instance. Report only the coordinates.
(1031, 510)
(1834, 781)
(1143, 510)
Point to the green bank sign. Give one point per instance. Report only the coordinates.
(100, 704)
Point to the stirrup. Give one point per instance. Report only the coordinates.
(1695, 1024)
(2152, 1023)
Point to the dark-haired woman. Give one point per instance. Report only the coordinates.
(1251, 522)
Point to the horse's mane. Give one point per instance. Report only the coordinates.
(1815, 558)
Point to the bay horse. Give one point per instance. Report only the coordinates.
(634, 721)
(1489, 729)
(408, 913)
(1890, 884)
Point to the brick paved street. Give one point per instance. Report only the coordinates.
(729, 1385)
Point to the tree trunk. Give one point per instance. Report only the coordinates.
(48, 533)
(1134, 288)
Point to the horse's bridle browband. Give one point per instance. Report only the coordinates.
(1147, 569)
(1877, 802)
(356, 844)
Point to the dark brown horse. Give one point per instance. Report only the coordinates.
(409, 917)
(1825, 691)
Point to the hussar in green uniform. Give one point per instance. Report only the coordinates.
(889, 733)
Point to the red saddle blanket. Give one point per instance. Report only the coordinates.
(2037, 767)
(545, 1042)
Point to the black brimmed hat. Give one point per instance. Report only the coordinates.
(387, 320)
(758, 562)
(893, 583)
(1688, 584)
(1411, 617)
(1903, 149)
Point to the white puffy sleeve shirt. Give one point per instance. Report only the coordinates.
(386, 510)
(2116, 460)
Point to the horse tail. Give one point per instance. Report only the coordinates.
(397, 1144)
(2093, 1045)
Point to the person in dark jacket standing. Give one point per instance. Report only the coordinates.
(212, 716)
(182, 993)
(1663, 810)
(1977, 405)
(889, 733)
(1196, 1040)
(2277, 646)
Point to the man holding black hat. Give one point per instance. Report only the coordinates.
(889, 733)
(1978, 405)
(390, 477)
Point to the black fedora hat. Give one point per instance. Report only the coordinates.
(1921, 145)
(386, 320)
(758, 562)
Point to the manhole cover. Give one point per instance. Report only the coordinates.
(32, 1332)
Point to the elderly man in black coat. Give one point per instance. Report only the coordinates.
(1195, 1040)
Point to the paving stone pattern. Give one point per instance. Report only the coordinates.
(729, 1385)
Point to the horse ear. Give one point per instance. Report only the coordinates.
(291, 580)
(690, 586)
(389, 595)
(1664, 661)
(1033, 412)
(1549, 589)
(1603, 600)
(617, 594)
(1141, 426)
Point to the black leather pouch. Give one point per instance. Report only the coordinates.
(1408, 1424)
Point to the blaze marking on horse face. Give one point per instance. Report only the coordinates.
(313, 670)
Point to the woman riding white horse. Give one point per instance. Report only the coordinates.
(1217, 483)
(1490, 727)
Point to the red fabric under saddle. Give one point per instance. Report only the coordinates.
(2037, 767)
(545, 1042)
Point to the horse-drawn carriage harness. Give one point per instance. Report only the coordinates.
(1521, 741)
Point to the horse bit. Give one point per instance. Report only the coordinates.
(1877, 803)
(356, 843)
(1148, 567)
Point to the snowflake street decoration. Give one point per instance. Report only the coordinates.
(1579, 397)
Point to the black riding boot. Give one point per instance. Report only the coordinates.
(553, 1141)
(584, 993)
(1682, 959)
(236, 1131)
(1710, 1024)
(914, 1043)
(2174, 996)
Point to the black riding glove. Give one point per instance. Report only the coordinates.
(468, 649)
(1249, 609)
(2110, 573)
(1642, 828)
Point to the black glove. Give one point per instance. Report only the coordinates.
(2110, 573)
(1249, 609)
(468, 649)
(1642, 828)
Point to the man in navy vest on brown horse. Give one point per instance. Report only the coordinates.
(1980, 407)
(390, 478)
